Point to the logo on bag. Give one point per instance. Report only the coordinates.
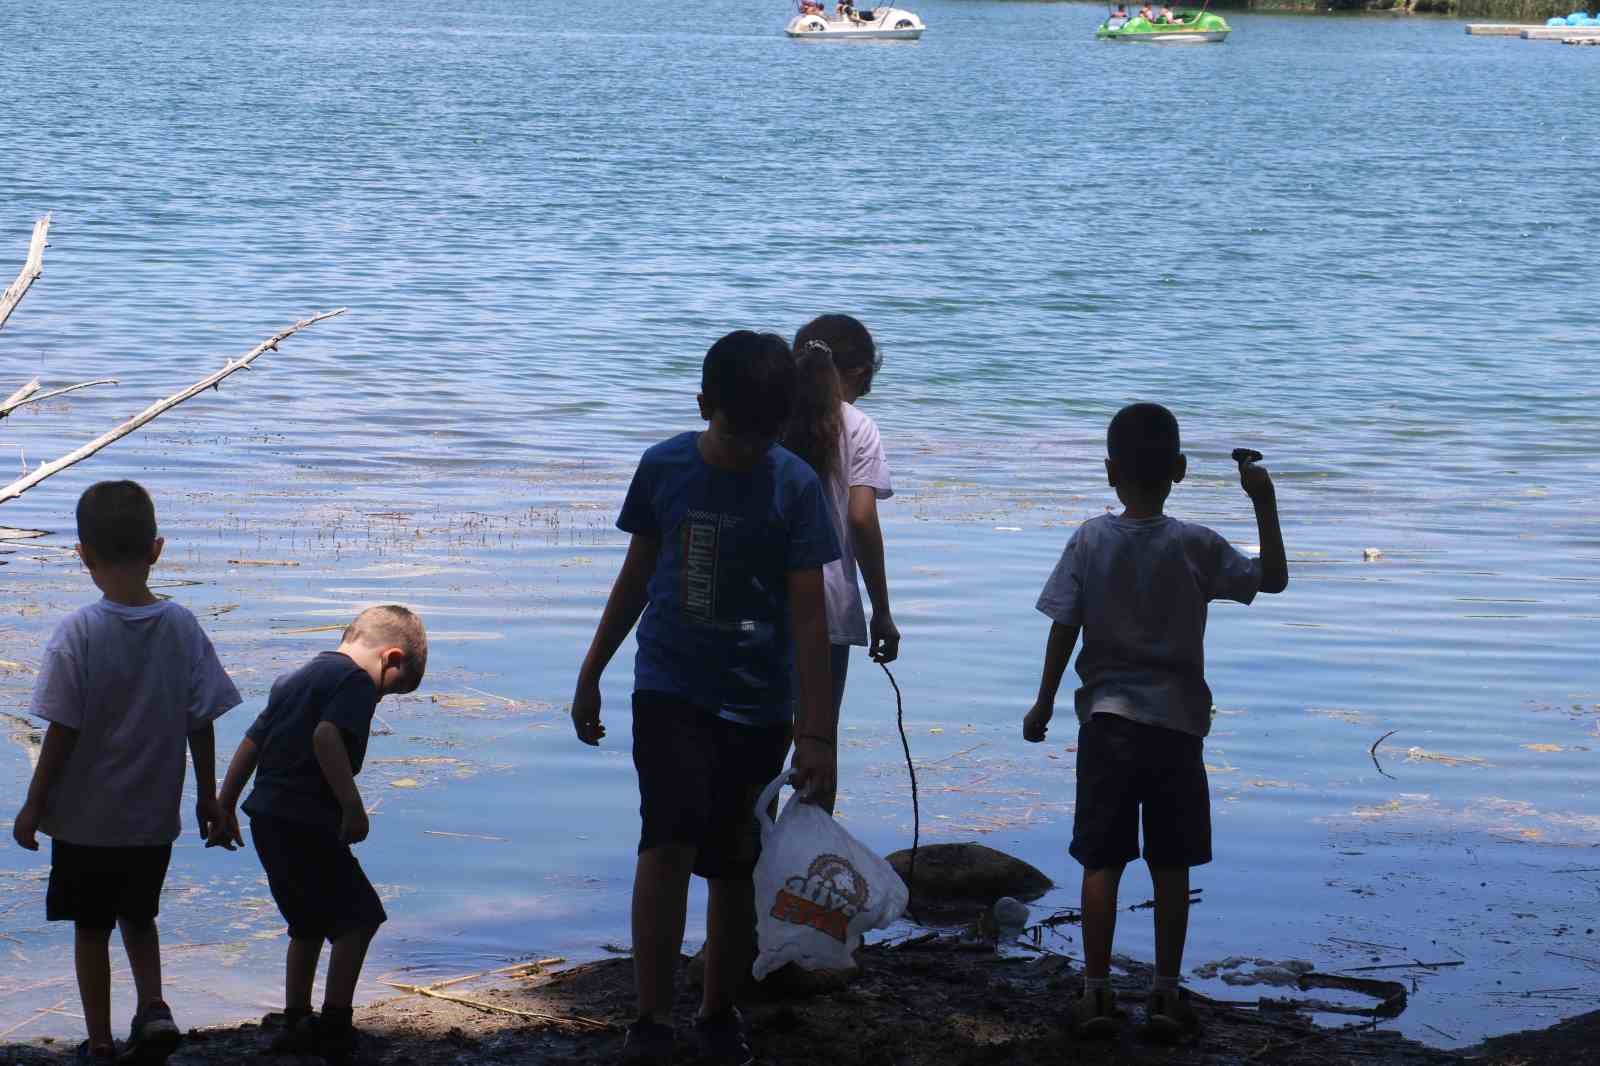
(830, 894)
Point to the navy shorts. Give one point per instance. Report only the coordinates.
(316, 882)
(1128, 769)
(699, 778)
(95, 886)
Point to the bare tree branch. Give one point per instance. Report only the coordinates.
(155, 410)
(33, 395)
(30, 270)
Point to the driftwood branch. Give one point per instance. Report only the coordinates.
(30, 393)
(157, 409)
(30, 270)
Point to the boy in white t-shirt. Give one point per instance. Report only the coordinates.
(1137, 586)
(127, 684)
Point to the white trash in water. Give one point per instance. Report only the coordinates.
(817, 888)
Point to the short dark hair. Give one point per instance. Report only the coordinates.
(117, 522)
(750, 378)
(1143, 441)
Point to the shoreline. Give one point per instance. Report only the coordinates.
(930, 1000)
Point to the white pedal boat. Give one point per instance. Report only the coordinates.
(881, 24)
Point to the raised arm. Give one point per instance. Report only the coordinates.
(225, 831)
(867, 537)
(629, 596)
(815, 730)
(327, 744)
(1257, 484)
(1057, 654)
(53, 755)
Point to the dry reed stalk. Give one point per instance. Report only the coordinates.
(576, 1021)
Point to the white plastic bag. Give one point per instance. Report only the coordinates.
(817, 888)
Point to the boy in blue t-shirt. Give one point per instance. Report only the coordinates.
(729, 537)
(1137, 586)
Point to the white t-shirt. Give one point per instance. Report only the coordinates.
(134, 682)
(1139, 588)
(861, 462)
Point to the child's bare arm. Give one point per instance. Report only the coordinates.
(815, 731)
(225, 831)
(1057, 654)
(57, 748)
(327, 743)
(203, 753)
(1257, 484)
(630, 594)
(867, 535)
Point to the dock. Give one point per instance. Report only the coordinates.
(1560, 33)
(1495, 29)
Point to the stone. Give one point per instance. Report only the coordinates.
(960, 875)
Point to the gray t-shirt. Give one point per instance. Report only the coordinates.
(1139, 589)
(134, 682)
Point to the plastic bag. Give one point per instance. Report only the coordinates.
(817, 888)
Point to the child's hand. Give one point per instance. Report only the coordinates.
(586, 714)
(1257, 483)
(885, 638)
(353, 825)
(225, 830)
(208, 814)
(1036, 723)
(816, 771)
(25, 829)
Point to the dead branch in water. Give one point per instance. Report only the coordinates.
(160, 407)
(31, 269)
(30, 393)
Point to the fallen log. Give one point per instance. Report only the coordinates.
(157, 409)
(32, 267)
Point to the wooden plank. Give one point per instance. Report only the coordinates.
(1497, 29)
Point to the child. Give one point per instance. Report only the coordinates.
(729, 535)
(126, 684)
(836, 360)
(1137, 584)
(305, 812)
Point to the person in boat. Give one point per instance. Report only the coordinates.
(1147, 13)
(1168, 15)
(1120, 13)
(810, 7)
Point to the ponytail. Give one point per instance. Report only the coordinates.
(815, 422)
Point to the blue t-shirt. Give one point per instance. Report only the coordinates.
(716, 630)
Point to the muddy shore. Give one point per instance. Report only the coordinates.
(922, 1002)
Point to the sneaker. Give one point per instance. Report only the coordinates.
(722, 1039)
(648, 1042)
(292, 1038)
(1094, 1014)
(336, 1041)
(85, 1053)
(1170, 1016)
(153, 1035)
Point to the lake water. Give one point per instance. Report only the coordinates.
(1358, 245)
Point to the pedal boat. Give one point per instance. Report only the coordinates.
(880, 24)
(1192, 27)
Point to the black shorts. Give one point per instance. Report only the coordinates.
(699, 777)
(1125, 767)
(96, 886)
(315, 879)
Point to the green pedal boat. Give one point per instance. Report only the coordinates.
(1185, 27)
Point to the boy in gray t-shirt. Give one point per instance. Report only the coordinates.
(1137, 585)
(126, 684)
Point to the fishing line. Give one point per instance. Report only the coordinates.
(916, 811)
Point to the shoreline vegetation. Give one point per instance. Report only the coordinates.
(929, 1000)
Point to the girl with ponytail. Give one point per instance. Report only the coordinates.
(836, 359)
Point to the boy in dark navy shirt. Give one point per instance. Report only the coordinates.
(305, 811)
(729, 537)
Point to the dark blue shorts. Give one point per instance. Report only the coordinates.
(1129, 771)
(95, 886)
(316, 881)
(699, 777)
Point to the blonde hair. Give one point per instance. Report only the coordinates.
(391, 625)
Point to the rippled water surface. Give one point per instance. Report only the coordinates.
(1358, 245)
